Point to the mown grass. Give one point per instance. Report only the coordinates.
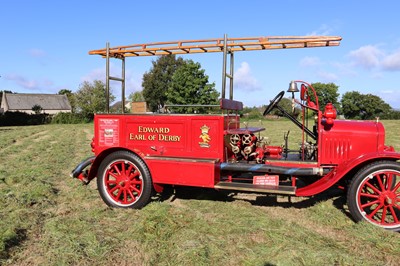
(47, 218)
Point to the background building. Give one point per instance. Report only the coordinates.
(24, 102)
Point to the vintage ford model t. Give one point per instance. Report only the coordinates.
(136, 155)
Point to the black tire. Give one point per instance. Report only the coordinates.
(124, 181)
(374, 195)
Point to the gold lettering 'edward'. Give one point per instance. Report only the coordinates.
(159, 130)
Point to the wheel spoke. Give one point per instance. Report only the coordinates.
(389, 181)
(375, 211)
(125, 197)
(369, 195)
(133, 175)
(378, 177)
(396, 220)
(136, 182)
(370, 204)
(129, 171)
(384, 214)
(136, 190)
(115, 175)
(117, 169)
(112, 190)
(111, 181)
(373, 188)
(123, 167)
(396, 187)
(118, 195)
(131, 194)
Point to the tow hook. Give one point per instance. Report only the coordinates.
(80, 172)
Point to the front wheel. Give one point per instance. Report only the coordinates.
(374, 195)
(124, 180)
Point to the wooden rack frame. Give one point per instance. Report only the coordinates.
(217, 45)
(225, 45)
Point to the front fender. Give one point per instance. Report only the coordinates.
(80, 172)
(100, 157)
(341, 170)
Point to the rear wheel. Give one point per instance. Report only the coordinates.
(374, 195)
(124, 181)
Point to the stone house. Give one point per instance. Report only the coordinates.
(23, 102)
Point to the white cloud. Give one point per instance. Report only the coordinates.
(244, 79)
(133, 82)
(391, 97)
(324, 29)
(368, 56)
(345, 69)
(34, 52)
(371, 57)
(327, 76)
(30, 84)
(310, 61)
(95, 74)
(392, 62)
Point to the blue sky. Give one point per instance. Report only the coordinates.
(44, 44)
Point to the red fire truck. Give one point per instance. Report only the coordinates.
(136, 155)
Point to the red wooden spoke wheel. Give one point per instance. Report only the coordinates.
(374, 195)
(124, 180)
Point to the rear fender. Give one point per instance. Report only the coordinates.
(342, 170)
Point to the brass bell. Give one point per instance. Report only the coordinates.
(293, 88)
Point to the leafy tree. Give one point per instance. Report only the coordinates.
(286, 105)
(116, 108)
(37, 109)
(91, 98)
(136, 96)
(252, 112)
(364, 106)
(326, 92)
(351, 107)
(71, 98)
(189, 85)
(157, 80)
(393, 114)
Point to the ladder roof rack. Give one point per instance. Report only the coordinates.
(225, 45)
(217, 45)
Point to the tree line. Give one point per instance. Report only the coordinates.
(174, 81)
(352, 105)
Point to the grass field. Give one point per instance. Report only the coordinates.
(47, 218)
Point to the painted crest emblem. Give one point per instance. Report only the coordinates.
(205, 138)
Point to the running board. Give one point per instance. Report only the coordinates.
(247, 187)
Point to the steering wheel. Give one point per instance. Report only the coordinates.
(274, 102)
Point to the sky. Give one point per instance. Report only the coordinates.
(44, 44)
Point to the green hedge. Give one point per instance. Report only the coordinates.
(69, 118)
(24, 119)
